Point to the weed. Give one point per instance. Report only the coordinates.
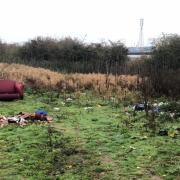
(104, 143)
(41, 80)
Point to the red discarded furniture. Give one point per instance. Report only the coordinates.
(10, 90)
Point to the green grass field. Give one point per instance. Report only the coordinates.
(90, 138)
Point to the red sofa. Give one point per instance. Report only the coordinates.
(10, 90)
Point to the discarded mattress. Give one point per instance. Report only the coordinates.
(10, 90)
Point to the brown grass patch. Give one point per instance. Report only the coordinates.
(38, 78)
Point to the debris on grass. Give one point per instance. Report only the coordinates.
(88, 109)
(168, 109)
(68, 99)
(3, 121)
(56, 109)
(63, 103)
(23, 118)
(171, 132)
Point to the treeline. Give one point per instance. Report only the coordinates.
(159, 73)
(163, 68)
(67, 55)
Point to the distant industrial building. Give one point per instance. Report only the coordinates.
(140, 50)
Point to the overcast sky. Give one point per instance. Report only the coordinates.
(94, 20)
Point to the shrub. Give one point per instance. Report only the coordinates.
(162, 69)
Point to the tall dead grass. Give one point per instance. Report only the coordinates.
(39, 78)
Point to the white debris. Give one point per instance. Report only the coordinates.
(155, 104)
(88, 108)
(131, 147)
(162, 103)
(56, 109)
(69, 99)
(63, 103)
(172, 115)
(113, 98)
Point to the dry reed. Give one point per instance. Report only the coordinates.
(38, 78)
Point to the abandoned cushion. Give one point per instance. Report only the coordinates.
(20, 89)
(7, 86)
(8, 96)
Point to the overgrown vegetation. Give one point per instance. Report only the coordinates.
(163, 68)
(90, 138)
(66, 55)
(39, 79)
(96, 133)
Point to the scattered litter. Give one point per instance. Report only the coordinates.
(41, 115)
(172, 115)
(16, 119)
(163, 104)
(155, 104)
(68, 99)
(63, 103)
(41, 112)
(3, 121)
(131, 147)
(158, 108)
(163, 132)
(21, 160)
(23, 119)
(171, 132)
(69, 166)
(143, 137)
(88, 109)
(139, 107)
(56, 109)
